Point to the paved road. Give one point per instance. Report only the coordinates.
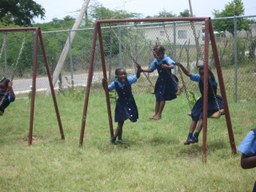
(42, 83)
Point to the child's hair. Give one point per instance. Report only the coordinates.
(4, 82)
(117, 71)
(159, 48)
(201, 67)
(2, 79)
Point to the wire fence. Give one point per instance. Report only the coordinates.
(124, 44)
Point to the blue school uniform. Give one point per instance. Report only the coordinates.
(197, 110)
(167, 83)
(248, 145)
(5, 99)
(126, 107)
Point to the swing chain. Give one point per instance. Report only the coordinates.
(19, 56)
(214, 95)
(135, 62)
(181, 77)
(133, 59)
(179, 71)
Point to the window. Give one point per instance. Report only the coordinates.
(182, 34)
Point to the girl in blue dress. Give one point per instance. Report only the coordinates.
(215, 102)
(167, 83)
(126, 107)
(248, 149)
(6, 94)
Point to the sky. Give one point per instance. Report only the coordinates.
(201, 8)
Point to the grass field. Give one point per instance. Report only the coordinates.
(155, 158)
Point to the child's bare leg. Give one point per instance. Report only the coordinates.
(158, 113)
(197, 127)
(118, 132)
(192, 126)
(156, 109)
(197, 131)
(191, 131)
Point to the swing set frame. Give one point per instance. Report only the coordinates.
(38, 39)
(209, 37)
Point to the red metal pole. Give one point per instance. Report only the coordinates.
(222, 90)
(163, 19)
(51, 85)
(20, 29)
(205, 96)
(103, 64)
(88, 86)
(32, 106)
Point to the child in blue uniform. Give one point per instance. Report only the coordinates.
(126, 107)
(248, 150)
(215, 102)
(167, 83)
(6, 94)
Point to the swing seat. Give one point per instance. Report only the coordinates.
(215, 115)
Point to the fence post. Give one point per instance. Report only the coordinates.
(235, 58)
(120, 48)
(175, 45)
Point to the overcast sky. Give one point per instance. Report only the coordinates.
(201, 8)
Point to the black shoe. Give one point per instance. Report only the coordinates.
(113, 140)
(120, 141)
(188, 141)
(194, 140)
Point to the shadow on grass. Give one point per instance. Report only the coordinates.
(194, 150)
(108, 147)
(150, 142)
(161, 141)
(166, 143)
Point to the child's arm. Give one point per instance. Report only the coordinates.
(147, 70)
(166, 66)
(248, 162)
(10, 89)
(185, 71)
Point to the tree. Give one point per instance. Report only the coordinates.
(234, 8)
(20, 12)
(165, 13)
(98, 12)
(185, 13)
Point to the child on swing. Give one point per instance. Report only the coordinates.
(248, 150)
(215, 102)
(126, 107)
(6, 94)
(167, 83)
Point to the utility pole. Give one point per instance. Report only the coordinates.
(68, 43)
(194, 33)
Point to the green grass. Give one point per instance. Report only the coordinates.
(154, 160)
